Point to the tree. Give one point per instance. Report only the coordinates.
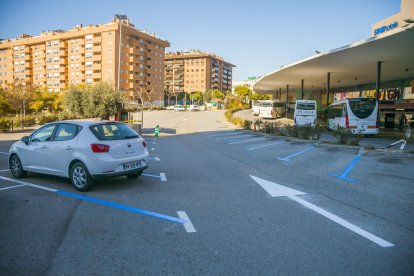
(102, 101)
(217, 94)
(256, 97)
(19, 95)
(196, 96)
(243, 92)
(73, 101)
(5, 106)
(44, 100)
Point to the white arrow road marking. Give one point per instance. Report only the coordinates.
(189, 227)
(276, 190)
(154, 158)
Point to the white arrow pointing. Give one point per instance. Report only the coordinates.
(277, 190)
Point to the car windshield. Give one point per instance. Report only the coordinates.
(113, 131)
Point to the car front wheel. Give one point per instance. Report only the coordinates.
(80, 177)
(16, 167)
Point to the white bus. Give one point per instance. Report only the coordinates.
(270, 109)
(305, 112)
(358, 114)
(256, 107)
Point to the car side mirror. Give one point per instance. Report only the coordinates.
(25, 140)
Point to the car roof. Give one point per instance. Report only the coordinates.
(84, 122)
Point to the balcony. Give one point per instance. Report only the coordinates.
(97, 58)
(63, 53)
(96, 67)
(133, 51)
(97, 75)
(97, 39)
(97, 48)
(62, 77)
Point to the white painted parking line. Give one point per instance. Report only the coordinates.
(234, 137)
(28, 184)
(247, 141)
(2, 152)
(152, 149)
(153, 158)
(266, 145)
(225, 134)
(188, 226)
(163, 177)
(12, 187)
(4, 170)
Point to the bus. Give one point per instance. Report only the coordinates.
(358, 114)
(270, 109)
(305, 113)
(256, 107)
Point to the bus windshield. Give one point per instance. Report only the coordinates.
(266, 104)
(305, 106)
(362, 108)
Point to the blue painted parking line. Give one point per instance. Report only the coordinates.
(348, 169)
(123, 207)
(300, 152)
(266, 145)
(99, 201)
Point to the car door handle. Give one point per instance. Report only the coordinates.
(43, 147)
(69, 148)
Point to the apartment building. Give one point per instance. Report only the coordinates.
(129, 58)
(190, 71)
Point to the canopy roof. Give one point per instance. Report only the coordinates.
(350, 65)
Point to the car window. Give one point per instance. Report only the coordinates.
(113, 131)
(44, 134)
(66, 132)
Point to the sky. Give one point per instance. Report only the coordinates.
(257, 36)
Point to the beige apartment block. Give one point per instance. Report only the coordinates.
(116, 52)
(190, 71)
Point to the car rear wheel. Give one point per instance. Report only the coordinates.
(134, 175)
(16, 167)
(80, 177)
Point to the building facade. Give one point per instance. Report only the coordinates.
(116, 52)
(190, 71)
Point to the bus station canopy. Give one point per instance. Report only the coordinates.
(350, 65)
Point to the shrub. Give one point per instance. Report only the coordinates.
(346, 136)
(307, 132)
(48, 118)
(247, 124)
(5, 124)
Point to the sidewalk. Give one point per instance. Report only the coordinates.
(17, 134)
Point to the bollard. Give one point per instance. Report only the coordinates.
(157, 131)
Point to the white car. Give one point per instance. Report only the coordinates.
(80, 150)
(193, 107)
(170, 107)
(179, 107)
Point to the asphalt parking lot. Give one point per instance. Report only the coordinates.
(217, 200)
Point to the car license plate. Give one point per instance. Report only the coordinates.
(132, 165)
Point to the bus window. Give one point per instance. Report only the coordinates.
(362, 108)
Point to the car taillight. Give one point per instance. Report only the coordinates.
(99, 148)
(144, 143)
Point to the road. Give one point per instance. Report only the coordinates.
(216, 200)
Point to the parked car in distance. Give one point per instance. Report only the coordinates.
(179, 107)
(170, 107)
(82, 151)
(193, 107)
(202, 108)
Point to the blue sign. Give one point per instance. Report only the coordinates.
(385, 28)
